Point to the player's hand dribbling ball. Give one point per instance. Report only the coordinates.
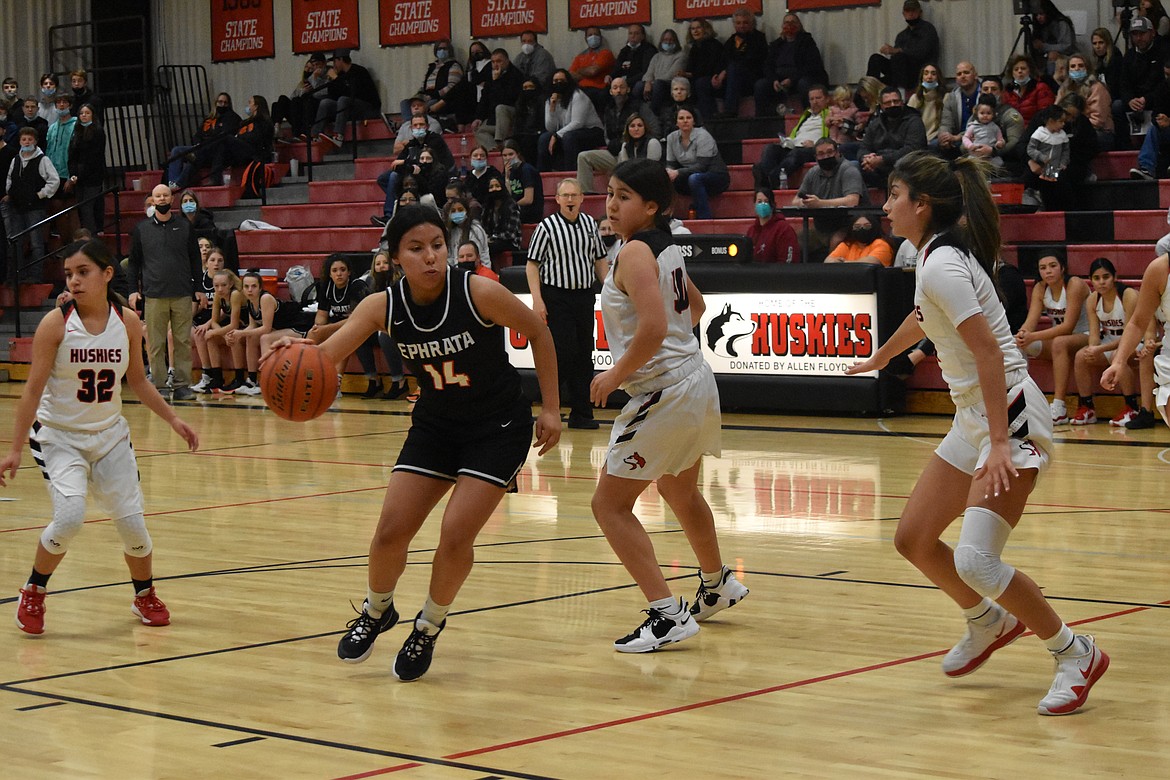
(298, 382)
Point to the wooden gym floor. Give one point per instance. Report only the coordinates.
(829, 669)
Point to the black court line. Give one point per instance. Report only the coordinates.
(40, 706)
(235, 742)
(832, 573)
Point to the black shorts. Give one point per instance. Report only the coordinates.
(492, 449)
(201, 317)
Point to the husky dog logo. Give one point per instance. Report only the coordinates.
(635, 462)
(725, 329)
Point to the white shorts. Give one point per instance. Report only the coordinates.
(666, 431)
(1162, 381)
(103, 462)
(968, 443)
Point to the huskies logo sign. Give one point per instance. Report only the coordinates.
(725, 330)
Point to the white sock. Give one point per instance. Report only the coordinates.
(712, 580)
(671, 605)
(1061, 641)
(434, 613)
(983, 613)
(378, 603)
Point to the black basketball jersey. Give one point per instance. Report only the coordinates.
(286, 316)
(208, 285)
(340, 303)
(455, 353)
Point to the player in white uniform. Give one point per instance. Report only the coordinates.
(650, 306)
(72, 404)
(1001, 437)
(1154, 294)
(1062, 297)
(1110, 306)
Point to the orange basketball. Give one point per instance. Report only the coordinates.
(298, 382)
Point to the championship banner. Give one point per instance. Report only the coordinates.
(762, 334)
(820, 5)
(324, 25)
(241, 30)
(607, 13)
(505, 18)
(703, 9)
(409, 22)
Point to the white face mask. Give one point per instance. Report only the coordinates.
(528, 48)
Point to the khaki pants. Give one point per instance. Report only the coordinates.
(590, 161)
(175, 314)
(491, 136)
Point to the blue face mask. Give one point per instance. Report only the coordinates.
(669, 47)
(27, 148)
(247, 111)
(62, 112)
(593, 41)
(1078, 75)
(763, 210)
(458, 217)
(418, 132)
(930, 85)
(1023, 81)
(48, 91)
(189, 207)
(442, 54)
(478, 165)
(85, 124)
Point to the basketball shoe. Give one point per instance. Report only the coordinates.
(1123, 417)
(248, 388)
(358, 642)
(415, 656)
(658, 630)
(1085, 415)
(980, 642)
(1077, 670)
(150, 609)
(30, 610)
(727, 593)
(1059, 412)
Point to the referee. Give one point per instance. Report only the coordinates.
(565, 256)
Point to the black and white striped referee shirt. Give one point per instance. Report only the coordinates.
(566, 251)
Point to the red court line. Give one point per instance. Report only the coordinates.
(709, 702)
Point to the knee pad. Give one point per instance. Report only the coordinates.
(135, 540)
(68, 516)
(977, 556)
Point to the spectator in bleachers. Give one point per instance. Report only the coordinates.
(87, 168)
(680, 97)
(796, 148)
(443, 74)
(251, 143)
(898, 64)
(957, 109)
(299, 107)
(523, 181)
(927, 99)
(706, 60)
(834, 185)
(1141, 73)
(350, 94)
(418, 107)
(465, 98)
(1008, 119)
(47, 99)
(571, 124)
(10, 90)
(476, 180)
(694, 164)
(1098, 103)
(618, 109)
(1155, 149)
(8, 152)
(666, 64)
(1156, 13)
(1026, 92)
(31, 180)
(1106, 59)
(29, 117)
(1110, 306)
(221, 124)
(409, 162)
(633, 59)
(500, 218)
(983, 137)
(1059, 73)
(529, 122)
(843, 120)
(869, 94)
(591, 68)
(495, 114)
(864, 243)
(1052, 35)
(891, 135)
(745, 52)
(639, 141)
(202, 221)
(462, 226)
(534, 61)
(772, 236)
(792, 64)
(57, 142)
(1048, 157)
(82, 94)
(1082, 148)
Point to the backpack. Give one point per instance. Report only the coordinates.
(257, 178)
(301, 287)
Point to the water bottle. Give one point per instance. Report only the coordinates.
(463, 155)
(783, 179)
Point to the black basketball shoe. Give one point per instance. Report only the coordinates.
(358, 642)
(415, 656)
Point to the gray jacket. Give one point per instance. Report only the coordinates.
(164, 258)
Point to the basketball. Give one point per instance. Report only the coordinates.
(298, 382)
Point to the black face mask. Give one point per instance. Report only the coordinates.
(221, 110)
(609, 240)
(894, 112)
(863, 235)
(913, 22)
(560, 89)
(162, 208)
(828, 164)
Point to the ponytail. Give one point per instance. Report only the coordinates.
(981, 231)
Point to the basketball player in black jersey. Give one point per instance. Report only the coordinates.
(471, 428)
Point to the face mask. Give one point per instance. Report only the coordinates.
(609, 240)
(10, 92)
(1023, 81)
(478, 165)
(221, 110)
(913, 22)
(85, 124)
(189, 207)
(527, 49)
(162, 208)
(669, 47)
(828, 164)
(930, 85)
(62, 112)
(418, 132)
(863, 235)
(27, 148)
(458, 217)
(149, 212)
(560, 89)
(894, 112)
(442, 54)
(478, 56)
(1078, 75)
(593, 41)
(47, 90)
(763, 210)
